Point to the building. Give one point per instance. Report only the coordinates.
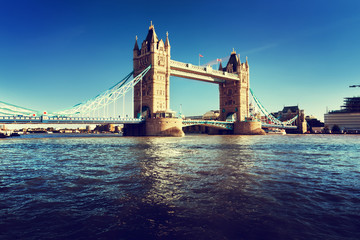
(314, 125)
(290, 112)
(347, 118)
(211, 115)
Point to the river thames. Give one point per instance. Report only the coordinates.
(195, 187)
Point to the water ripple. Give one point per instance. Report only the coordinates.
(196, 187)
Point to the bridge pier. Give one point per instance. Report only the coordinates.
(165, 127)
(162, 127)
(248, 128)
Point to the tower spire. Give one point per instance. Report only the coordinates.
(167, 43)
(151, 37)
(136, 47)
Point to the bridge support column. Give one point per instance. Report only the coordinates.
(234, 94)
(170, 127)
(248, 128)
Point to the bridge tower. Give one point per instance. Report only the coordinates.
(234, 97)
(152, 93)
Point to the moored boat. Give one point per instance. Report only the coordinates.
(5, 134)
(275, 131)
(15, 134)
(2, 135)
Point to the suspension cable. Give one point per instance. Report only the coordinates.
(105, 98)
(269, 115)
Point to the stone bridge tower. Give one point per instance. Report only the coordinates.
(152, 94)
(234, 95)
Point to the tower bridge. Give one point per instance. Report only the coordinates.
(152, 68)
(152, 94)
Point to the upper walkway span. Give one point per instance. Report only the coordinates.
(201, 73)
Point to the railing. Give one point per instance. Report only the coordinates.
(272, 125)
(178, 64)
(220, 124)
(60, 119)
(230, 125)
(95, 119)
(19, 119)
(194, 67)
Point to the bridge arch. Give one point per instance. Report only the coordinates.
(207, 126)
(231, 117)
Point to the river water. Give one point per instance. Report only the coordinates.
(196, 187)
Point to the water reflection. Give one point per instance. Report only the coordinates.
(189, 177)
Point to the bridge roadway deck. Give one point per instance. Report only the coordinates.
(69, 120)
(268, 125)
(201, 73)
(90, 120)
(219, 124)
(230, 125)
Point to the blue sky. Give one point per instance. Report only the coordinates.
(55, 54)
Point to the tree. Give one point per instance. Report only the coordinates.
(326, 129)
(335, 129)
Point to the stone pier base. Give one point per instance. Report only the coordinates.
(248, 128)
(166, 127)
(163, 127)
